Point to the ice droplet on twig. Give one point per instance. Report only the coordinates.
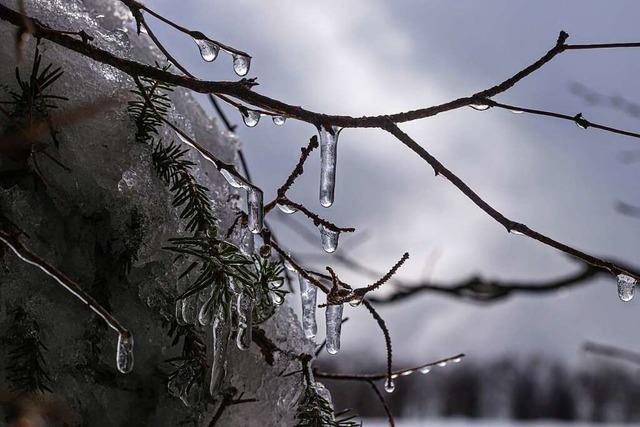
(250, 118)
(480, 107)
(328, 160)
(389, 385)
(208, 49)
(333, 315)
(308, 297)
(287, 209)
(329, 238)
(255, 208)
(124, 354)
(279, 120)
(241, 64)
(244, 312)
(425, 370)
(220, 338)
(626, 287)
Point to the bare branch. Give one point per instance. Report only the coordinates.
(611, 351)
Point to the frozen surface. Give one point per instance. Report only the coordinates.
(81, 220)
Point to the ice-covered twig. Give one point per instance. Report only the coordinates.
(395, 374)
(317, 221)
(10, 240)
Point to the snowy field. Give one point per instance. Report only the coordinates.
(480, 423)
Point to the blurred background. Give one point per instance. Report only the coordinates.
(525, 356)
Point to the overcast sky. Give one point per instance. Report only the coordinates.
(371, 57)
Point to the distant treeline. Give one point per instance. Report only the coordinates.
(516, 388)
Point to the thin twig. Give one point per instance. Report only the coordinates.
(611, 351)
(383, 402)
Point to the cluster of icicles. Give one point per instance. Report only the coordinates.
(199, 309)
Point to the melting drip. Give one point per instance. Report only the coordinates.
(208, 49)
(124, 355)
(626, 287)
(251, 118)
(244, 312)
(287, 209)
(480, 107)
(308, 297)
(329, 238)
(389, 385)
(334, 326)
(255, 208)
(425, 370)
(220, 336)
(279, 120)
(328, 159)
(241, 64)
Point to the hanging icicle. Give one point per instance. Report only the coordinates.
(329, 238)
(244, 314)
(208, 49)
(333, 315)
(124, 354)
(328, 160)
(308, 297)
(220, 337)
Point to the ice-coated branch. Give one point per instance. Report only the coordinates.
(511, 226)
(317, 220)
(10, 240)
(395, 374)
(578, 119)
(613, 352)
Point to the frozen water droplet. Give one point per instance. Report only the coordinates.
(179, 318)
(516, 232)
(333, 315)
(256, 210)
(356, 302)
(442, 364)
(480, 107)
(389, 386)
(277, 298)
(406, 373)
(244, 313)
(220, 338)
(265, 251)
(517, 111)
(308, 297)
(279, 120)
(287, 209)
(251, 118)
(329, 239)
(394, 376)
(425, 370)
(233, 180)
(124, 354)
(208, 49)
(247, 245)
(241, 64)
(626, 287)
(457, 360)
(328, 160)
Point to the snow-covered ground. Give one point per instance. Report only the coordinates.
(463, 422)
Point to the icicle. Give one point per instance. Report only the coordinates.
(208, 49)
(241, 64)
(244, 312)
(255, 208)
(247, 245)
(250, 118)
(425, 370)
(480, 107)
(328, 159)
(389, 385)
(308, 297)
(329, 238)
(626, 287)
(124, 354)
(279, 120)
(287, 209)
(220, 336)
(334, 326)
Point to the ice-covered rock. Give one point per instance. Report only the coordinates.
(111, 201)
